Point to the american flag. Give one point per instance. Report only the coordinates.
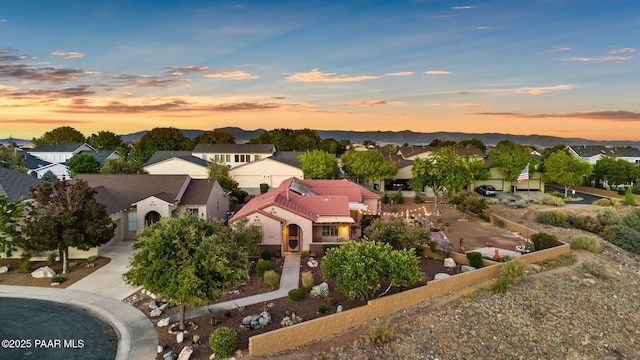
(524, 175)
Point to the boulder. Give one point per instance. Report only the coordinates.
(43, 272)
(466, 268)
(4, 269)
(449, 263)
(186, 352)
(439, 276)
(164, 322)
(180, 337)
(155, 313)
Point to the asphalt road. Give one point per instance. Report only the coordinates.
(586, 198)
(38, 329)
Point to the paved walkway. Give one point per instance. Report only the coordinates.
(288, 280)
(137, 337)
(107, 281)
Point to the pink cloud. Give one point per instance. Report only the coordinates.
(316, 75)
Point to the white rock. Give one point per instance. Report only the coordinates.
(4, 269)
(213, 356)
(155, 313)
(180, 337)
(164, 322)
(43, 272)
(186, 352)
(312, 263)
(466, 268)
(449, 263)
(439, 276)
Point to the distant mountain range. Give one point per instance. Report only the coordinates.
(400, 137)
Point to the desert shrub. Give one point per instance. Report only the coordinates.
(543, 241)
(385, 198)
(223, 342)
(51, 259)
(629, 198)
(602, 202)
(264, 265)
(92, 259)
(290, 318)
(484, 217)
(557, 194)
(478, 205)
(322, 308)
(518, 204)
(381, 334)
(396, 197)
(500, 286)
(417, 199)
(499, 223)
(266, 255)
(624, 237)
(305, 254)
(271, 280)
(475, 259)
(73, 264)
(25, 262)
(264, 188)
(307, 280)
(632, 220)
(584, 222)
(319, 292)
(514, 271)
(296, 294)
(553, 218)
(608, 217)
(57, 279)
(331, 301)
(595, 269)
(585, 242)
(552, 200)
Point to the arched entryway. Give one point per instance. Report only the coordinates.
(292, 237)
(152, 217)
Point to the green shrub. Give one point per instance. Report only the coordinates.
(271, 280)
(326, 247)
(264, 265)
(417, 199)
(381, 334)
(629, 198)
(296, 294)
(305, 254)
(385, 198)
(543, 241)
(552, 200)
(500, 286)
(518, 204)
(264, 188)
(632, 220)
(595, 269)
(25, 262)
(624, 237)
(396, 197)
(514, 270)
(585, 242)
(602, 202)
(307, 280)
(57, 279)
(73, 264)
(51, 259)
(331, 301)
(92, 258)
(553, 218)
(223, 342)
(585, 222)
(266, 255)
(607, 217)
(475, 259)
(322, 308)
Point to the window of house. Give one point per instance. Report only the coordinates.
(236, 158)
(132, 221)
(259, 228)
(192, 211)
(247, 157)
(228, 157)
(329, 231)
(256, 157)
(205, 157)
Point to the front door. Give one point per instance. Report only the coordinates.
(292, 238)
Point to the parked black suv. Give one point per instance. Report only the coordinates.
(486, 190)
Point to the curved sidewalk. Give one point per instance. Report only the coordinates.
(288, 280)
(136, 334)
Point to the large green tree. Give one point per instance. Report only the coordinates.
(477, 143)
(334, 146)
(396, 232)
(615, 171)
(318, 164)
(359, 268)
(83, 163)
(220, 172)
(565, 170)
(60, 135)
(161, 139)
(119, 166)
(105, 140)
(215, 136)
(64, 215)
(289, 140)
(10, 158)
(368, 165)
(511, 159)
(188, 260)
(11, 213)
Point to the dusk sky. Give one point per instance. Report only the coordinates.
(563, 68)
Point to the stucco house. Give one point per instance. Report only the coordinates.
(177, 163)
(135, 201)
(307, 214)
(56, 155)
(272, 171)
(233, 155)
(592, 154)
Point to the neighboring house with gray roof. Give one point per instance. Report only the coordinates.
(233, 155)
(272, 171)
(16, 185)
(59, 153)
(592, 154)
(177, 163)
(135, 201)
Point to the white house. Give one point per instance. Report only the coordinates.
(272, 171)
(592, 154)
(233, 155)
(59, 153)
(177, 163)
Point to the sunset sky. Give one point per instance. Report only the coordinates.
(568, 68)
